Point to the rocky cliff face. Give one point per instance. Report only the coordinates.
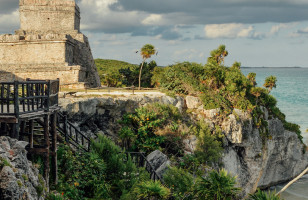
(255, 162)
(19, 179)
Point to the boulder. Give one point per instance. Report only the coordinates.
(159, 162)
(193, 102)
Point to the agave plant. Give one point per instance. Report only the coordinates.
(261, 195)
(216, 186)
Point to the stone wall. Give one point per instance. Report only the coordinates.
(33, 52)
(48, 45)
(45, 15)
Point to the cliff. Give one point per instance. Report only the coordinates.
(19, 179)
(257, 161)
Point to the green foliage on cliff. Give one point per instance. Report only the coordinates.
(114, 73)
(100, 174)
(223, 87)
(108, 71)
(148, 190)
(218, 185)
(261, 195)
(180, 181)
(209, 148)
(155, 126)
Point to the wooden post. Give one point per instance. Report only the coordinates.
(54, 148)
(31, 127)
(22, 130)
(65, 128)
(47, 145)
(16, 111)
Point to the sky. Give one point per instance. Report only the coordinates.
(271, 33)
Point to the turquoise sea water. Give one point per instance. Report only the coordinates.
(292, 95)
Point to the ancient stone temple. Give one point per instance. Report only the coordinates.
(48, 45)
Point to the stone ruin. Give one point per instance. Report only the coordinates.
(48, 45)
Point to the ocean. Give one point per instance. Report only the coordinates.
(292, 96)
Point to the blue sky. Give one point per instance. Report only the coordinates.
(256, 32)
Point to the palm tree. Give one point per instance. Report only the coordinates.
(218, 55)
(146, 52)
(270, 82)
(252, 77)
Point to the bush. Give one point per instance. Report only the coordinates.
(81, 175)
(209, 148)
(104, 173)
(180, 181)
(152, 127)
(119, 174)
(216, 186)
(261, 195)
(115, 73)
(145, 190)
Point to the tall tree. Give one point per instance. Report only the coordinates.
(146, 52)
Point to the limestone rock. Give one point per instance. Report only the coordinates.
(159, 162)
(193, 102)
(190, 144)
(19, 179)
(103, 113)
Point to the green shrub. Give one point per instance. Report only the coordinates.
(216, 186)
(40, 189)
(19, 183)
(115, 73)
(152, 127)
(82, 175)
(25, 177)
(145, 190)
(261, 195)
(190, 163)
(120, 175)
(180, 181)
(209, 148)
(294, 128)
(4, 162)
(52, 196)
(108, 71)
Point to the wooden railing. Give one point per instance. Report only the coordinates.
(72, 134)
(22, 97)
(79, 140)
(140, 160)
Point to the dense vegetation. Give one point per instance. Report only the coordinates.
(115, 73)
(225, 88)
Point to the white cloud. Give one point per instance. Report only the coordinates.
(232, 30)
(9, 22)
(153, 19)
(103, 18)
(276, 28)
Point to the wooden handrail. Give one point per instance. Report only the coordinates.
(20, 97)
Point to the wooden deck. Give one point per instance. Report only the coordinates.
(7, 116)
(28, 111)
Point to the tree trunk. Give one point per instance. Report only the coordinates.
(293, 181)
(140, 74)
